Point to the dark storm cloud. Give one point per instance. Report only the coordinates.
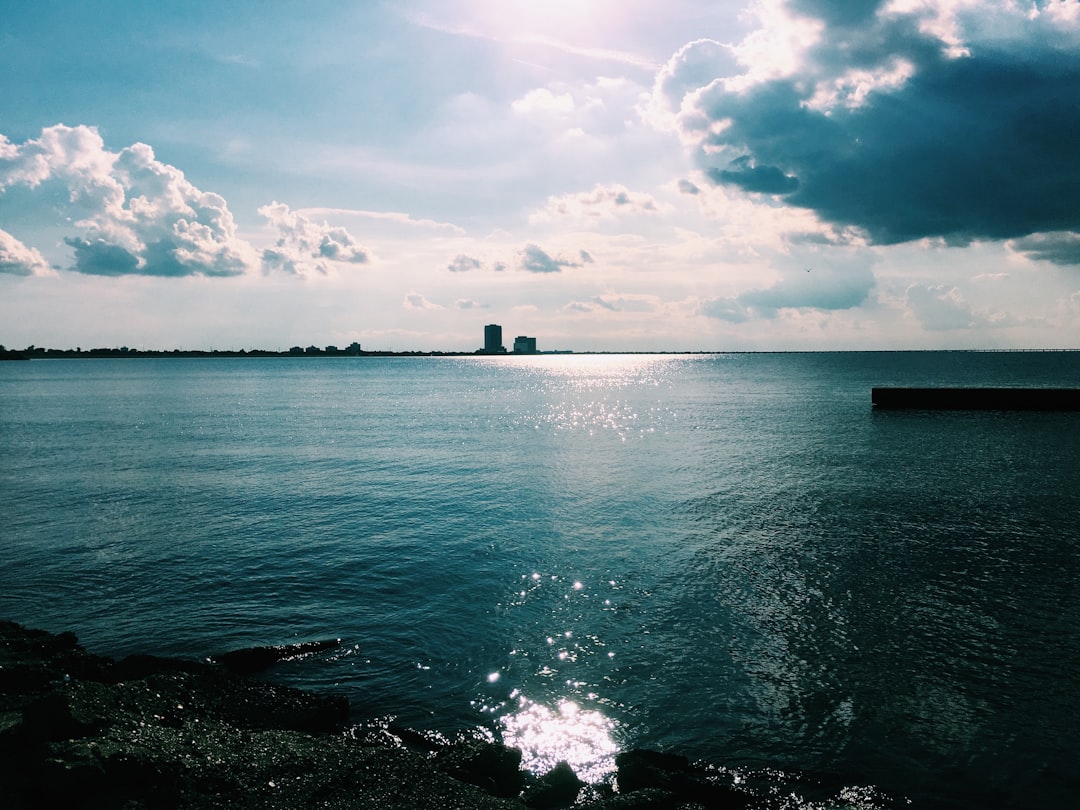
(894, 130)
(762, 179)
(838, 12)
(1058, 248)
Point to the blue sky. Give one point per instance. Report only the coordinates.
(601, 174)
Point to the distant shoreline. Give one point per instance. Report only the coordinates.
(39, 353)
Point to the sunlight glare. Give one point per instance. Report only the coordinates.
(530, 20)
(580, 737)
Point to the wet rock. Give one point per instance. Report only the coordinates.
(32, 660)
(78, 730)
(558, 788)
(140, 666)
(490, 766)
(55, 716)
(640, 768)
(250, 660)
(644, 799)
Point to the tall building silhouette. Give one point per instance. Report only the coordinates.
(493, 339)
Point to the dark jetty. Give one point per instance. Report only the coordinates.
(82, 730)
(977, 399)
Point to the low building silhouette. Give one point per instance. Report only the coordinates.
(524, 345)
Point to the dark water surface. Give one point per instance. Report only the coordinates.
(731, 556)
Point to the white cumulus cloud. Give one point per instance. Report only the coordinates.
(18, 259)
(602, 203)
(303, 246)
(131, 213)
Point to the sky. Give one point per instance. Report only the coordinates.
(608, 175)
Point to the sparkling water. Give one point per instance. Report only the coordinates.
(733, 557)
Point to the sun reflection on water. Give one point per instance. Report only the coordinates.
(583, 738)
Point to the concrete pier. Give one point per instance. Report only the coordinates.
(978, 399)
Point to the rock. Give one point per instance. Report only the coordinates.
(255, 659)
(490, 766)
(558, 788)
(55, 717)
(640, 768)
(78, 730)
(31, 660)
(644, 799)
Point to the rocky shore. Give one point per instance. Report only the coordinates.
(83, 730)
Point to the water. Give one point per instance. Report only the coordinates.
(733, 557)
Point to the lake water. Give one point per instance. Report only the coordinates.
(733, 557)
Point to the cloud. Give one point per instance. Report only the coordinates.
(904, 119)
(468, 303)
(693, 66)
(614, 303)
(463, 264)
(543, 100)
(742, 172)
(100, 258)
(626, 303)
(828, 289)
(535, 260)
(17, 259)
(687, 187)
(603, 203)
(416, 301)
(938, 307)
(810, 288)
(604, 303)
(136, 215)
(725, 309)
(384, 217)
(1059, 248)
(304, 246)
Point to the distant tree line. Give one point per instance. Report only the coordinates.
(353, 350)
